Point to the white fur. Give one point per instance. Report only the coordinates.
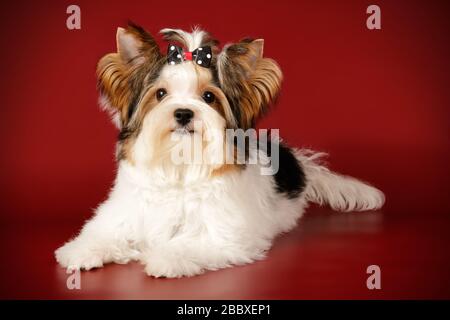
(181, 231)
(342, 193)
(192, 39)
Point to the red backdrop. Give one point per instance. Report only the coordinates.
(377, 101)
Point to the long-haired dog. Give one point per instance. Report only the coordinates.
(180, 218)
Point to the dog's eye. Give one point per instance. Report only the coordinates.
(161, 93)
(208, 96)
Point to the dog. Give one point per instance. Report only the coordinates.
(183, 218)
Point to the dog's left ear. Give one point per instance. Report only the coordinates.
(250, 81)
(122, 75)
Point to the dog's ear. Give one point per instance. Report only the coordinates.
(122, 75)
(250, 81)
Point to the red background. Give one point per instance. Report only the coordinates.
(377, 101)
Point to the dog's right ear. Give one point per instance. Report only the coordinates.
(123, 75)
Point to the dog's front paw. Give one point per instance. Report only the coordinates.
(162, 266)
(76, 256)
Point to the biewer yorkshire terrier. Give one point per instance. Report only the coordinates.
(181, 216)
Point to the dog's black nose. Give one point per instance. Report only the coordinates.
(183, 116)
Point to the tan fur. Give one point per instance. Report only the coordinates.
(113, 77)
(148, 102)
(226, 168)
(252, 81)
(120, 75)
(221, 105)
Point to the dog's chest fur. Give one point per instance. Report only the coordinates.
(235, 205)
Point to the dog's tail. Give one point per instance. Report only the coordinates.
(340, 192)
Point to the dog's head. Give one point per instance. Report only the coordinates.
(152, 98)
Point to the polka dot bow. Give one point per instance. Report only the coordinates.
(201, 56)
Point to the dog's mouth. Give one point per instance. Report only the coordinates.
(183, 130)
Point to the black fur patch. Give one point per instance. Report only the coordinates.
(132, 107)
(290, 178)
